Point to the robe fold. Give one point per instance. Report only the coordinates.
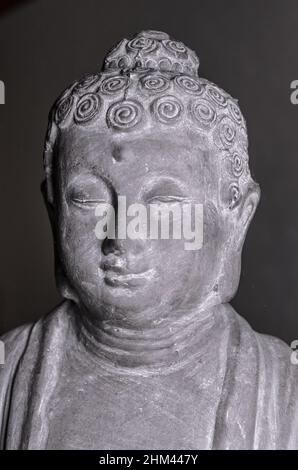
(250, 400)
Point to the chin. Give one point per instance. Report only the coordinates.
(128, 296)
(132, 302)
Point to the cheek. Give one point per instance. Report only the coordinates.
(80, 249)
(213, 249)
(173, 262)
(211, 223)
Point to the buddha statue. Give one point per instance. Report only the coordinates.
(145, 350)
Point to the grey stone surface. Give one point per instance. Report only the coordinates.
(145, 351)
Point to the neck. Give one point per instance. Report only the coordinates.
(167, 344)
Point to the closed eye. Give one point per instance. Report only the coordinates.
(167, 199)
(87, 203)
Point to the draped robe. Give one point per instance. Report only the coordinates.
(241, 392)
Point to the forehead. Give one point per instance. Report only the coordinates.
(132, 160)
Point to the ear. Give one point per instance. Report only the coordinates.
(62, 283)
(245, 212)
(49, 204)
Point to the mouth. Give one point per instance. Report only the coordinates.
(116, 278)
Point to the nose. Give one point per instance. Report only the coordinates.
(113, 246)
(121, 247)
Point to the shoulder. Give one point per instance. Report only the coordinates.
(13, 344)
(281, 374)
(278, 362)
(16, 342)
(273, 348)
(18, 335)
(268, 361)
(273, 354)
(29, 351)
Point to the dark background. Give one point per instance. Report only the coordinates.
(250, 48)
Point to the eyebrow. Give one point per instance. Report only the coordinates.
(159, 180)
(90, 171)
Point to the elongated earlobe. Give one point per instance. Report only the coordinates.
(48, 203)
(247, 209)
(234, 196)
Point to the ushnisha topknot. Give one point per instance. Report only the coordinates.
(153, 50)
(153, 79)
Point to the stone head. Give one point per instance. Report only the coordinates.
(148, 128)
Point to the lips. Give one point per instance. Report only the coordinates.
(127, 280)
(116, 274)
